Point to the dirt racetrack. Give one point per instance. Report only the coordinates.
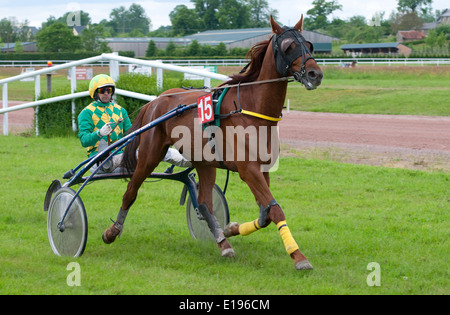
(413, 142)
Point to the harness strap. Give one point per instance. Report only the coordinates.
(247, 112)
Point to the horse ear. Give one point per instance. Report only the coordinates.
(299, 25)
(275, 27)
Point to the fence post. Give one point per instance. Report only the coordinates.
(207, 82)
(114, 68)
(159, 78)
(5, 105)
(73, 88)
(37, 94)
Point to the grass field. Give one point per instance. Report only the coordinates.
(396, 90)
(343, 217)
(379, 90)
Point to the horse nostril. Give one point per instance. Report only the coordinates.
(315, 75)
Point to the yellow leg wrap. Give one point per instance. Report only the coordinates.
(249, 227)
(289, 242)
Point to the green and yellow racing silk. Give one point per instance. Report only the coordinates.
(93, 117)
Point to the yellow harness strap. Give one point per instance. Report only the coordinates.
(247, 112)
(289, 242)
(249, 227)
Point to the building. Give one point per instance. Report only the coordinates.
(404, 36)
(241, 38)
(443, 19)
(11, 47)
(376, 48)
(139, 44)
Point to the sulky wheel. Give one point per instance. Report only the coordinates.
(199, 228)
(70, 238)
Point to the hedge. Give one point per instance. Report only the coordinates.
(55, 119)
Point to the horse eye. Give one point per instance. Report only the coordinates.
(286, 45)
(290, 49)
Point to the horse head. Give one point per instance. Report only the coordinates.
(293, 55)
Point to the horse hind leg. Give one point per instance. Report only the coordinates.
(145, 166)
(206, 182)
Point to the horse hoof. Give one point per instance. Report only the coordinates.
(110, 235)
(303, 265)
(228, 252)
(228, 229)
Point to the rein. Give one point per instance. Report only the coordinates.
(240, 110)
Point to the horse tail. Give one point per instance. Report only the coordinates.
(129, 158)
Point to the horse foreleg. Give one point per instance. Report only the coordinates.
(259, 185)
(207, 178)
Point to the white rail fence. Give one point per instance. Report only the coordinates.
(243, 62)
(113, 62)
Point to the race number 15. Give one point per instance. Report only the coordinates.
(205, 109)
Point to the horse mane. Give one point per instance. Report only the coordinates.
(256, 55)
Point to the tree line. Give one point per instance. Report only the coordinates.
(55, 35)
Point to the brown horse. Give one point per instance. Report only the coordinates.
(255, 99)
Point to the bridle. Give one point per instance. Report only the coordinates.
(283, 61)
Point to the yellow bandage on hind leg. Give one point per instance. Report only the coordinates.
(289, 242)
(249, 227)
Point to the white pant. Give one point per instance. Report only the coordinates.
(172, 156)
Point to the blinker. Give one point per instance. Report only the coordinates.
(283, 61)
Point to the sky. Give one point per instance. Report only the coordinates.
(37, 11)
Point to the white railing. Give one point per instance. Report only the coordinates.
(243, 62)
(114, 61)
(385, 61)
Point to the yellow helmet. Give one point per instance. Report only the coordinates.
(99, 81)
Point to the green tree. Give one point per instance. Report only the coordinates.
(413, 5)
(193, 49)
(18, 47)
(57, 38)
(184, 21)
(6, 31)
(221, 50)
(233, 14)
(406, 21)
(151, 49)
(125, 21)
(260, 13)
(432, 39)
(441, 40)
(171, 49)
(85, 19)
(93, 39)
(317, 16)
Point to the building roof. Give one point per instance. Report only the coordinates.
(411, 35)
(446, 12)
(322, 47)
(369, 46)
(215, 37)
(132, 40)
(429, 26)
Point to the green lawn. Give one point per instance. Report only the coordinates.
(377, 90)
(342, 216)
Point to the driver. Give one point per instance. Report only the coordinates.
(103, 122)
